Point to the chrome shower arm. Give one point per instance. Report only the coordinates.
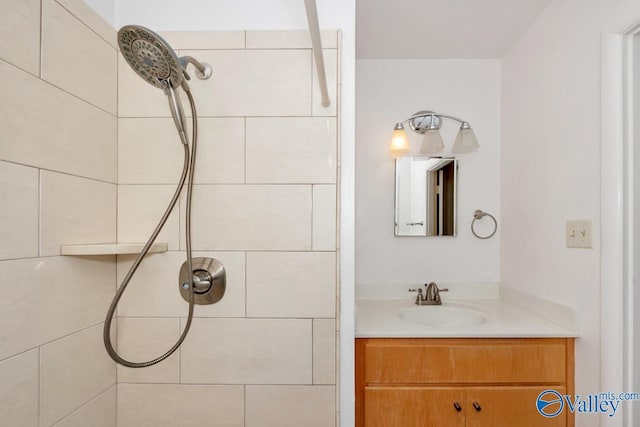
(203, 70)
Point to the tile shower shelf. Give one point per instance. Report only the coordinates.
(110, 248)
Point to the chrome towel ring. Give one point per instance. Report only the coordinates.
(478, 215)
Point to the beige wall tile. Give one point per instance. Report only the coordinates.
(291, 150)
(137, 98)
(324, 351)
(98, 412)
(20, 32)
(56, 295)
(290, 406)
(331, 71)
(255, 217)
(77, 59)
(140, 208)
(254, 83)
(289, 39)
(141, 340)
(73, 370)
(220, 151)
(204, 40)
(324, 218)
(153, 291)
(75, 210)
(19, 391)
(149, 151)
(91, 19)
(19, 211)
(48, 128)
(240, 86)
(291, 284)
(171, 405)
(254, 351)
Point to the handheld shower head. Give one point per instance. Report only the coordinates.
(150, 56)
(153, 59)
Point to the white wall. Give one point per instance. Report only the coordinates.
(388, 91)
(104, 8)
(551, 163)
(231, 14)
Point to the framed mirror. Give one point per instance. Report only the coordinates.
(426, 193)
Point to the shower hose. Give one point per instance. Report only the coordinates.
(188, 169)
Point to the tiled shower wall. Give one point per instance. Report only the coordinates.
(58, 175)
(265, 205)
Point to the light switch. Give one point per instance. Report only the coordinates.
(579, 233)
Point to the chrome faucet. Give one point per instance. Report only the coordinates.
(431, 296)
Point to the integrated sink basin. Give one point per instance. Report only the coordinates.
(442, 316)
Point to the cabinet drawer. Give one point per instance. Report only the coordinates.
(429, 361)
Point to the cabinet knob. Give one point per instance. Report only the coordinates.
(457, 406)
(477, 406)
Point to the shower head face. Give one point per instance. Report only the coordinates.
(150, 56)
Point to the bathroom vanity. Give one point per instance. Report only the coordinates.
(460, 381)
(487, 370)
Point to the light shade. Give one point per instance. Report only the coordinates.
(466, 140)
(399, 141)
(432, 143)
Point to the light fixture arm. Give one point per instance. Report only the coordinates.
(419, 115)
(446, 116)
(423, 114)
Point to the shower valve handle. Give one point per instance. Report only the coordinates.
(201, 281)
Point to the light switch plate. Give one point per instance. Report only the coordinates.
(579, 233)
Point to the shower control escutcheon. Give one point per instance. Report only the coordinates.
(208, 278)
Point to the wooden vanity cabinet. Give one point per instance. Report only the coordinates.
(460, 381)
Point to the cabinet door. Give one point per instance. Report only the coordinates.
(414, 406)
(509, 406)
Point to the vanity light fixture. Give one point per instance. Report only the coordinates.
(428, 123)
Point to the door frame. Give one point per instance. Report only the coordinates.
(616, 252)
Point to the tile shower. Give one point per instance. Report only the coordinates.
(88, 153)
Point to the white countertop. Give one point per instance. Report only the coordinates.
(380, 318)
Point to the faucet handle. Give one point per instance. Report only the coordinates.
(420, 296)
(438, 293)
